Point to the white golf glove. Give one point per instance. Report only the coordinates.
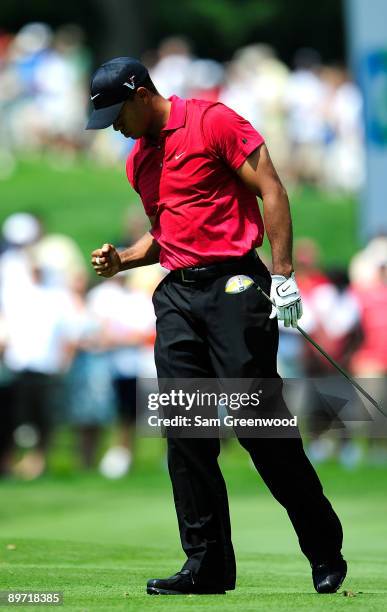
(286, 296)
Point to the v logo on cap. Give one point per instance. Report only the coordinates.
(109, 89)
(131, 84)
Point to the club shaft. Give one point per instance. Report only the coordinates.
(338, 367)
(330, 359)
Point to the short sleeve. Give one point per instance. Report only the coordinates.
(229, 136)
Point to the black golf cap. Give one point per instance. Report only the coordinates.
(113, 83)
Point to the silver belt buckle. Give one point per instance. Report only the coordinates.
(185, 280)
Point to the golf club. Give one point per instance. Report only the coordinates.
(331, 360)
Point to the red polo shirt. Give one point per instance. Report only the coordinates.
(203, 211)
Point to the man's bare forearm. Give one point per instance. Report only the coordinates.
(144, 252)
(278, 224)
(260, 176)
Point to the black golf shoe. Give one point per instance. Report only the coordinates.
(328, 577)
(182, 583)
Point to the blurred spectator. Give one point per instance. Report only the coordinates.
(60, 80)
(19, 232)
(128, 321)
(258, 83)
(344, 160)
(305, 103)
(89, 390)
(43, 85)
(371, 358)
(171, 74)
(145, 281)
(38, 351)
(60, 259)
(206, 77)
(57, 256)
(239, 90)
(306, 261)
(364, 268)
(38, 314)
(336, 323)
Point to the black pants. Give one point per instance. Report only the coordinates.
(37, 400)
(203, 332)
(7, 425)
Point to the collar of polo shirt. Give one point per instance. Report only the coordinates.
(175, 121)
(177, 114)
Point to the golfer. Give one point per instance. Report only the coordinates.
(198, 168)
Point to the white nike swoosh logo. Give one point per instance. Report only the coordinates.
(130, 85)
(282, 288)
(282, 291)
(180, 154)
(92, 97)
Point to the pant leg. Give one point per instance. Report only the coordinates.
(202, 509)
(293, 482)
(198, 486)
(243, 343)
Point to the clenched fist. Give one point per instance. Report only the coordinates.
(106, 261)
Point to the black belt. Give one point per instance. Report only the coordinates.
(195, 274)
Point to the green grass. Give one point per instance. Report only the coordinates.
(88, 202)
(99, 541)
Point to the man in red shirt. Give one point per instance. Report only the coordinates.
(198, 168)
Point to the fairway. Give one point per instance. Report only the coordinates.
(99, 541)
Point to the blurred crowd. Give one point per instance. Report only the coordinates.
(71, 353)
(344, 312)
(72, 350)
(310, 114)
